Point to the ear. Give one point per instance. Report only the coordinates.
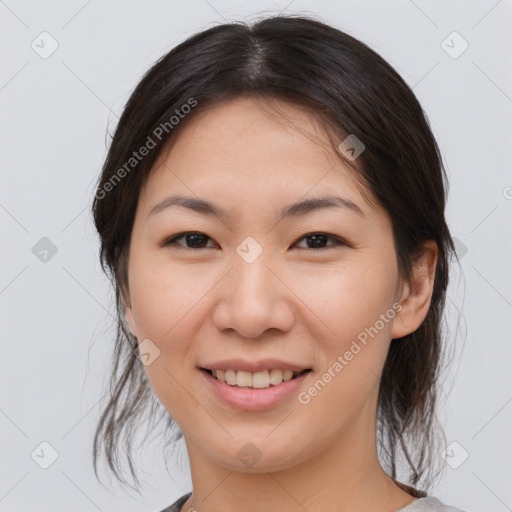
(416, 296)
(130, 320)
(128, 311)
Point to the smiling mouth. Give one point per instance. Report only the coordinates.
(256, 380)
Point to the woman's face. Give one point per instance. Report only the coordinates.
(251, 287)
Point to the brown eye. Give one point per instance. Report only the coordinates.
(318, 240)
(197, 240)
(193, 240)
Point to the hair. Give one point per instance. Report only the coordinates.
(351, 90)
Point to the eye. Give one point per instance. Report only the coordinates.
(199, 240)
(194, 238)
(318, 239)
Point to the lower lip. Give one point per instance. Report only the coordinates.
(251, 399)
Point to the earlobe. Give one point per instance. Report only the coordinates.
(130, 320)
(417, 295)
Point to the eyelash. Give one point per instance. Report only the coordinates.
(172, 241)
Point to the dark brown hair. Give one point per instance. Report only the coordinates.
(351, 90)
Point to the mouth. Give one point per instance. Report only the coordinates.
(254, 380)
(237, 391)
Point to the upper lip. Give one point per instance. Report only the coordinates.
(254, 366)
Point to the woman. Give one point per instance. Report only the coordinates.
(271, 213)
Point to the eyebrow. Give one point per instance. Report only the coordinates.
(292, 210)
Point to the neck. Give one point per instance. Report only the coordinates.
(345, 476)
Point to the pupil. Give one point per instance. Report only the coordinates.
(195, 236)
(319, 239)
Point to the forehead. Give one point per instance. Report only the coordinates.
(245, 150)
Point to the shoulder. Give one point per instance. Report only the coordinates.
(429, 503)
(175, 507)
(426, 503)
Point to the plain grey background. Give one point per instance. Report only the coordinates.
(56, 306)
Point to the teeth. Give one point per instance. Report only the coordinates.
(258, 380)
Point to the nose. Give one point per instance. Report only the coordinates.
(253, 299)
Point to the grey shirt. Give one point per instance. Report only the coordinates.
(425, 503)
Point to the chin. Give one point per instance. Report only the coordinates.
(258, 456)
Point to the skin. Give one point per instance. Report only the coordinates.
(294, 302)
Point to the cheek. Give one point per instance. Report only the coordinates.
(163, 303)
(163, 298)
(346, 299)
(354, 350)
(357, 306)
